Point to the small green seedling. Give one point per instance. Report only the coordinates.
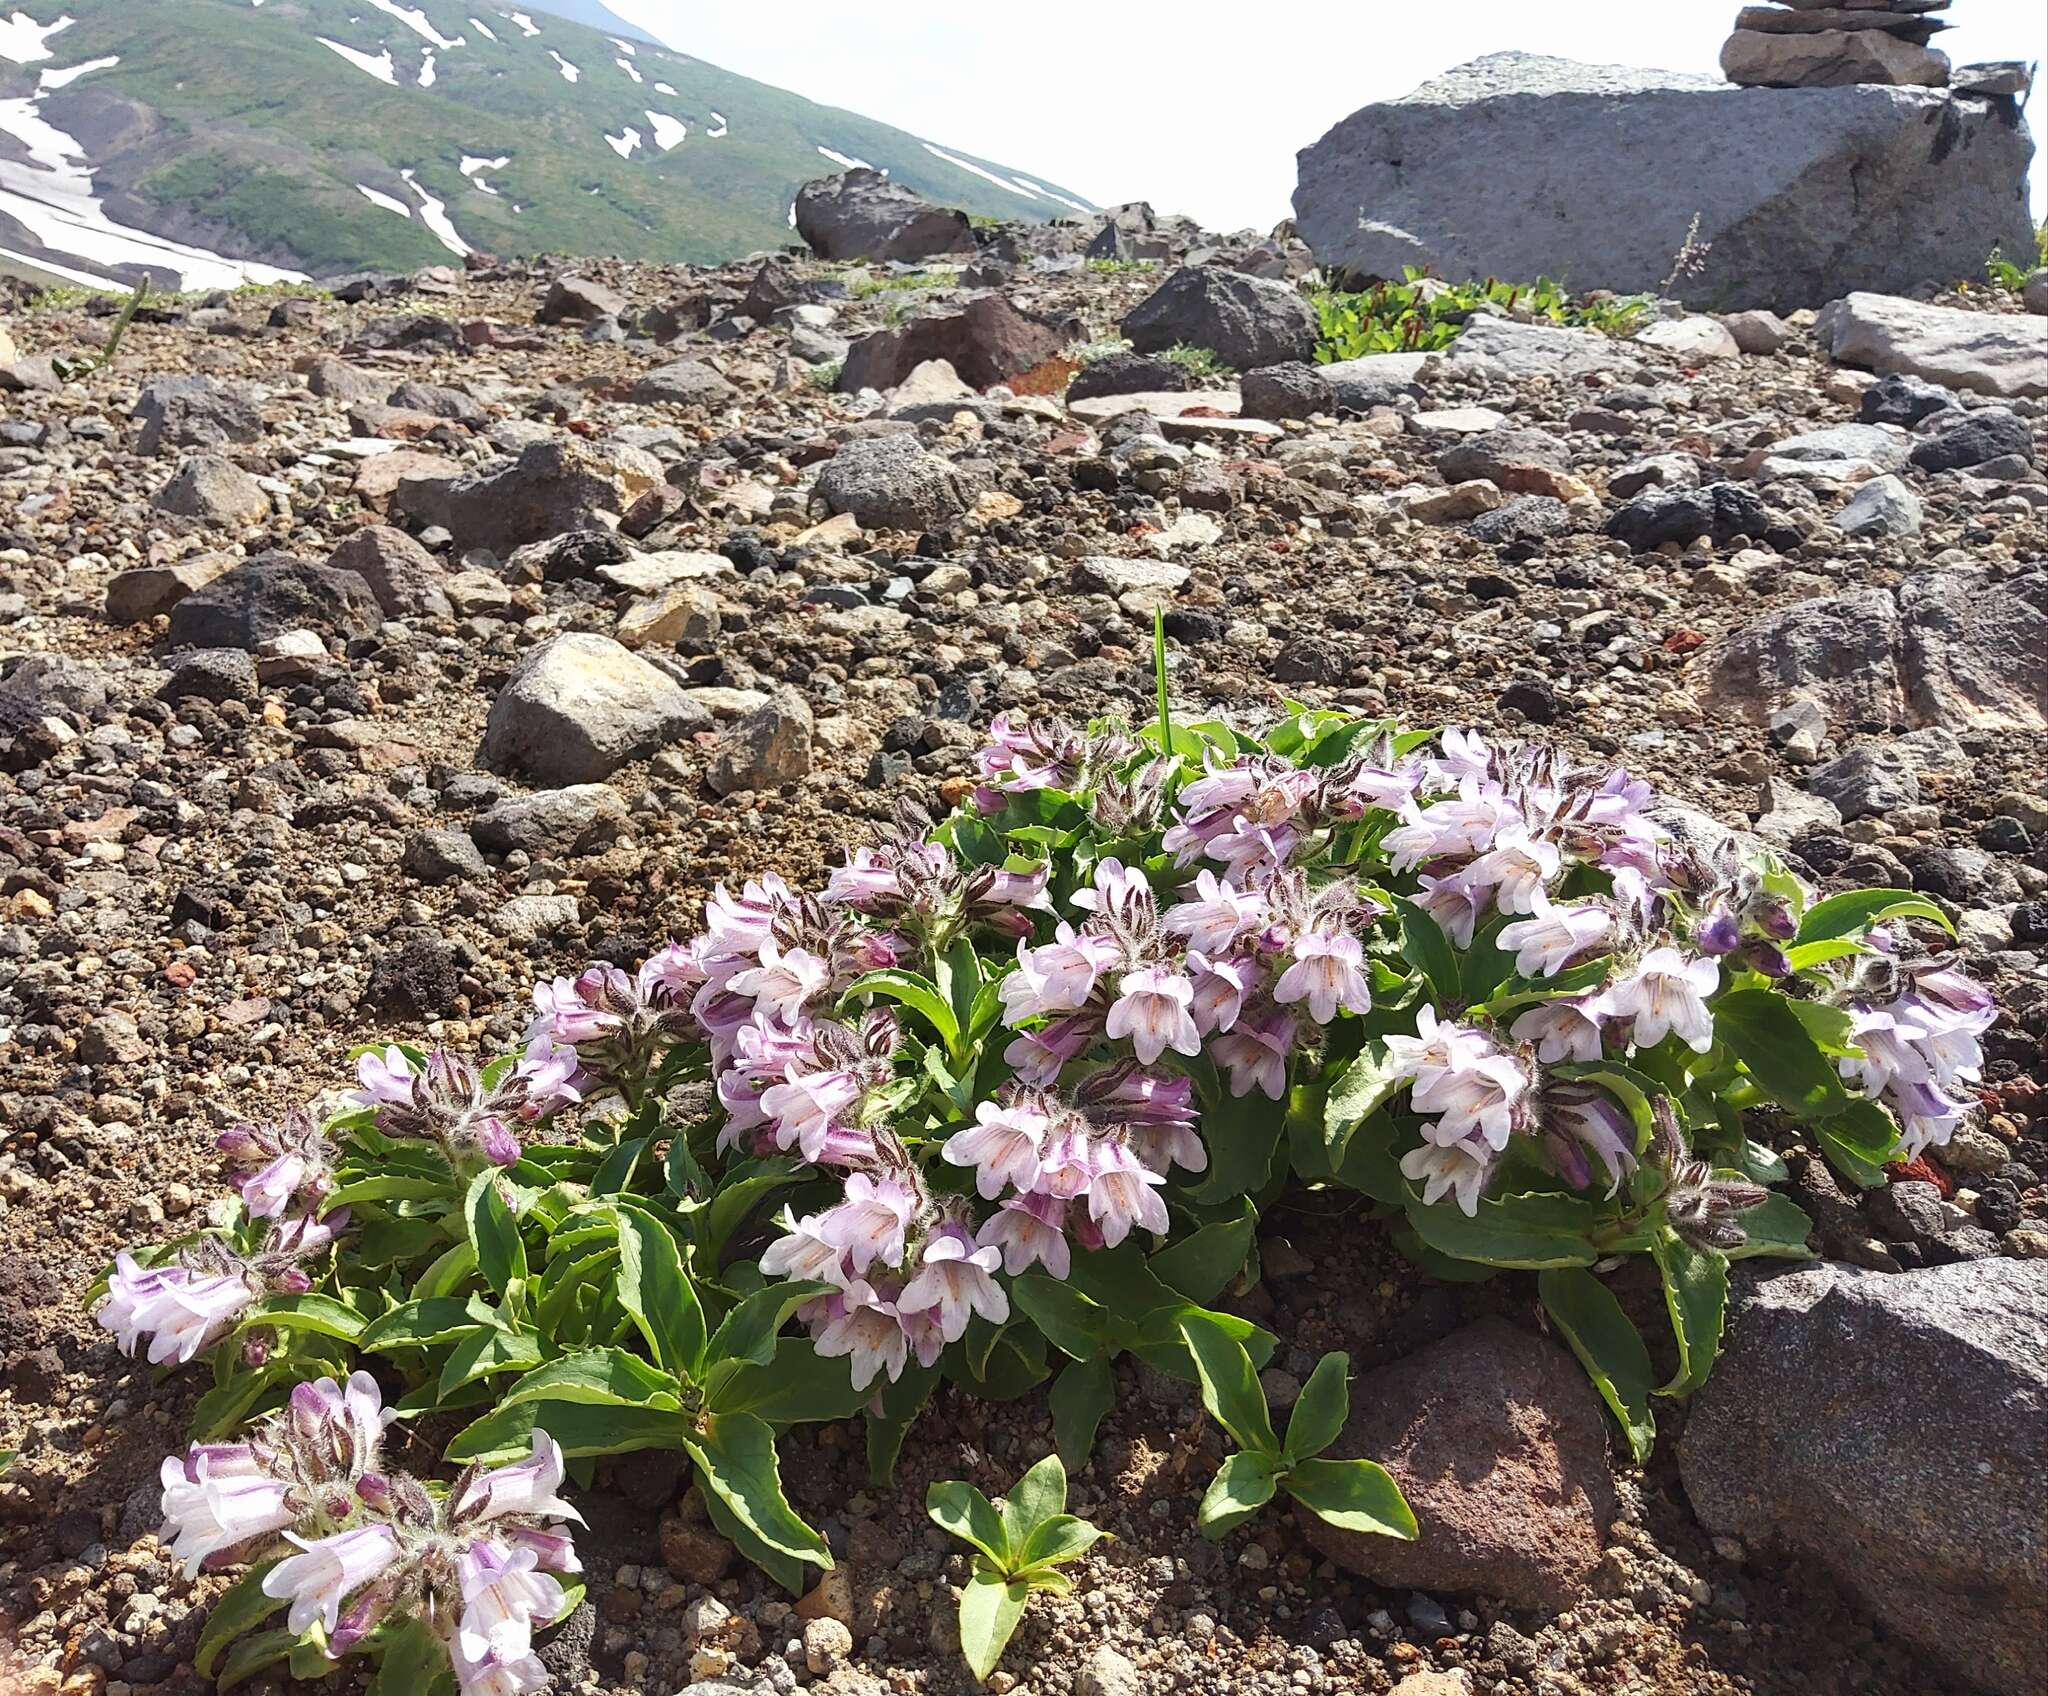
(1354, 1495)
(1018, 1550)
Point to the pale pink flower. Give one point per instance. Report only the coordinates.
(869, 1224)
(1039, 1056)
(803, 1253)
(386, 1079)
(531, 1486)
(866, 1330)
(1455, 901)
(1003, 1146)
(1069, 1164)
(785, 982)
(1457, 1169)
(954, 1277)
(1479, 1100)
(1566, 1029)
(1328, 973)
(1519, 867)
(1030, 1231)
(806, 1105)
(330, 1570)
(1437, 1044)
(270, 1189)
(346, 1421)
(1220, 990)
(1665, 993)
(1254, 1053)
(1154, 1010)
(1116, 888)
(180, 1311)
(1057, 978)
(1552, 937)
(215, 1499)
(1216, 915)
(1124, 1193)
(504, 1598)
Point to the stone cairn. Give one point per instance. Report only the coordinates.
(1825, 43)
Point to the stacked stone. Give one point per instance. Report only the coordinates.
(1826, 43)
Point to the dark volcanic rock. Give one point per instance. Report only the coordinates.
(861, 214)
(893, 483)
(1718, 511)
(1247, 322)
(271, 594)
(1130, 374)
(987, 341)
(194, 412)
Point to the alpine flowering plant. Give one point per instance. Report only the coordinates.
(1005, 1097)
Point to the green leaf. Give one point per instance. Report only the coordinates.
(1036, 1497)
(892, 1410)
(1760, 1029)
(990, 1608)
(485, 1354)
(1158, 1342)
(917, 993)
(1243, 1134)
(241, 1607)
(228, 1404)
(1057, 1540)
(1425, 947)
(752, 1329)
(655, 1290)
(1609, 1347)
(792, 1574)
(1320, 1411)
(1243, 1484)
(1364, 1086)
(615, 1172)
(740, 1192)
(1202, 1264)
(604, 1377)
(1353, 1495)
(1854, 911)
(494, 1233)
(1159, 676)
(735, 1456)
(252, 1654)
(1696, 1292)
(1779, 1227)
(1230, 1385)
(320, 1316)
(1532, 1231)
(798, 1387)
(414, 1657)
(962, 1511)
(582, 1428)
(1072, 1322)
(1860, 1143)
(1081, 1395)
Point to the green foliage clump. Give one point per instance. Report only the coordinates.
(2003, 274)
(1422, 314)
(1120, 267)
(866, 288)
(1201, 361)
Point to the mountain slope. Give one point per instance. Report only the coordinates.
(327, 135)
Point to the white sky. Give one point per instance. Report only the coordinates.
(1192, 106)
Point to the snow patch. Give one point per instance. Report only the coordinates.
(483, 29)
(390, 202)
(434, 214)
(379, 67)
(625, 47)
(668, 131)
(474, 168)
(524, 22)
(50, 194)
(719, 126)
(24, 40)
(845, 161)
(792, 214)
(71, 73)
(416, 20)
(426, 67)
(569, 72)
(962, 164)
(624, 144)
(663, 88)
(1031, 187)
(630, 69)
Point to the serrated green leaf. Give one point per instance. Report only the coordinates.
(751, 1331)
(1366, 1085)
(1353, 1495)
(494, 1233)
(911, 990)
(1528, 1231)
(252, 1655)
(800, 1386)
(418, 1325)
(1696, 1293)
(414, 1657)
(1609, 1347)
(603, 1377)
(1779, 1227)
(486, 1354)
(1243, 1484)
(582, 1428)
(1229, 1383)
(318, 1315)
(1321, 1409)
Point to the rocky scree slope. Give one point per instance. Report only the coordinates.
(326, 135)
(360, 661)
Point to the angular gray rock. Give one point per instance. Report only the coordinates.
(1534, 350)
(1991, 352)
(1892, 1428)
(1519, 165)
(194, 412)
(1884, 506)
(215, 491)
(404, 577)
(986, 341)
(580, 707)
(769, 747)
(574, 820)
(1718, 511)
(686, 382)
(552, 487)
(1247, 322)
(270, 594)
(892, 483)
(1946, 648)
(861, 214)
(1754, 58)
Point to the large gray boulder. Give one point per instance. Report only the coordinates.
(892, 483)
(1247, 322)
(861, 214)
(1518, 165)
(1893, 1429)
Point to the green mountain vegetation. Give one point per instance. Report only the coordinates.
(238, 127)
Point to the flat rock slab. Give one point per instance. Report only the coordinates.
(1100, 409)
(648, 574)
(1893, 1428)
(1944, 648)
(1990, 352)
(1521, 165)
